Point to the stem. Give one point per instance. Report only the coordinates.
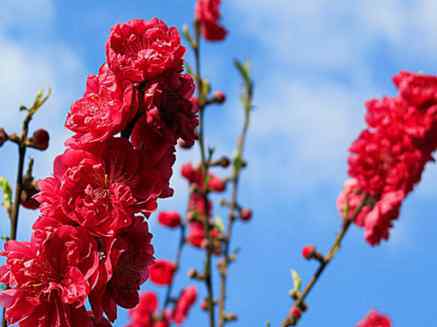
(233, 204)
(205, 167)
(300, 302)
(181, 245)
(22, 147)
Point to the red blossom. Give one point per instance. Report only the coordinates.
(99, 191)
(107, 107)
(142, 50)
(162, 271)
(130, 269)
(308, 251)
(246, 214)
(388, 158)
(196, 178)
(183, 305)
(375, 319)
(171, 219)
(49, 278)
(208, 17)
(145, 313)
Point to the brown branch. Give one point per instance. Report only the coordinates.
(15, 211)
(233, 204)
(323, 264)
(205, 167)
(181, 244)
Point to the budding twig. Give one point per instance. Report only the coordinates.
(292, 318)
(233, 203)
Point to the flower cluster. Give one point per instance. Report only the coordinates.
(208, 18)
(387, 159)
(375, 319)
(91, 242)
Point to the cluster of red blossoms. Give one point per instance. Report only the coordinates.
(387, 159)
(208, 18)
(91, 242)
(375, 319)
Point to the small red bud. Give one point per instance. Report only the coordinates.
(246, 214)
(204, 305)
(40, 139)
(308, 251)
(296, 313)
(219, 97)
(3, 136)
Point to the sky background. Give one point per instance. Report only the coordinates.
(315, 62)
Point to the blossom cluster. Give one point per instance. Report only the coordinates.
(91, 241)
(388, 158)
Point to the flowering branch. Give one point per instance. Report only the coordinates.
(238, 164)
(23, 142)
(294, 315)
(201, 95)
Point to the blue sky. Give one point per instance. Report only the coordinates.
(315, 62)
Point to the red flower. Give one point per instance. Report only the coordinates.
(208, 17)
(105, 109)
(196, 235)
(375, 319)
(130, 270)
(388, 158)
(168, 114)
(186, 300)
(162, 271)
(142, 50)
(170, 219)
(100, 191)
(195, 177)
(49, 278)
(144, 314)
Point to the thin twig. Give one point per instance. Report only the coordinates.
(233, 205)
(22, 147)
(205, 168)
(300, 302)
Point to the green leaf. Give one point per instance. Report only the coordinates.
(244, 70)
(39, 101)
(7, 193)
(297, 281)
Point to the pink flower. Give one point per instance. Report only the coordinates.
(107, 107)
(142, 50)
(99, 191)
(162, 271)
(171, 219)
(49, 278)
(375, 319)
(183, 305)
(208, 17)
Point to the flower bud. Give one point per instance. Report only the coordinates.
(3, 136)
(40, 139)
(296, 313)
(27, 195)
(219, 97)
(308, 252)
(246, 214)
(171, 219)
